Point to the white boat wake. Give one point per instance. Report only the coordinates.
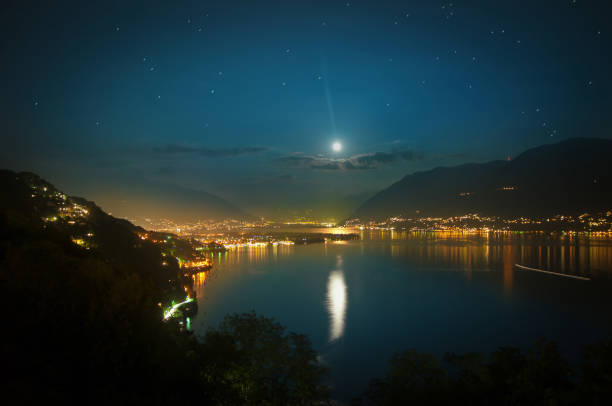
(583, 278)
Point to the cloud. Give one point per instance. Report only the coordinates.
(357, 162)
(208, 152)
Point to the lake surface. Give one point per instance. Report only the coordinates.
(361, 301)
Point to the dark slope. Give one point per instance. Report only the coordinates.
(165, 200)
(568, 177)
(134, 196)
(82, 323)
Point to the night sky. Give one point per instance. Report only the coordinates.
(245, 99)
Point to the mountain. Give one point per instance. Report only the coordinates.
(134, 196)
(156, 199)
(33, 207)
(570, 177)
(80, 290)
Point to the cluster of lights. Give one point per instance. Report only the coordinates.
(174, 307)
(200, 263)
(67, 209)
(201, 227)
(256, 244)
(210, 228)
(475, 223)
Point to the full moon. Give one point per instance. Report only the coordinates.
(336, 146)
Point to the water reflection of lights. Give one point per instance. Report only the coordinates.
(336, 304)
(334, 230)
(253, 254)
(199, 279)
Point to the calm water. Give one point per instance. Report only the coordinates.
(361, 301)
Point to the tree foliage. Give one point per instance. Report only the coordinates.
(255, 359)
(508, 377)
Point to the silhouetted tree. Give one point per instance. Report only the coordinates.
(255, 361)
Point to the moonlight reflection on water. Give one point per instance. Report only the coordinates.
(336, 302)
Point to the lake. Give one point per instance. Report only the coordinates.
(361, 301)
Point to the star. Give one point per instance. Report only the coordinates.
(212, 91)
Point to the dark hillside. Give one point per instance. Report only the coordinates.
(570, 177)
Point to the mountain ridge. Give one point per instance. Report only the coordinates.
(137, 197)
(572, 175)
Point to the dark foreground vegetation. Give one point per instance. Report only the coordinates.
(82, 323)
(507, 377)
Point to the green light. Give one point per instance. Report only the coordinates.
(174, 307)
